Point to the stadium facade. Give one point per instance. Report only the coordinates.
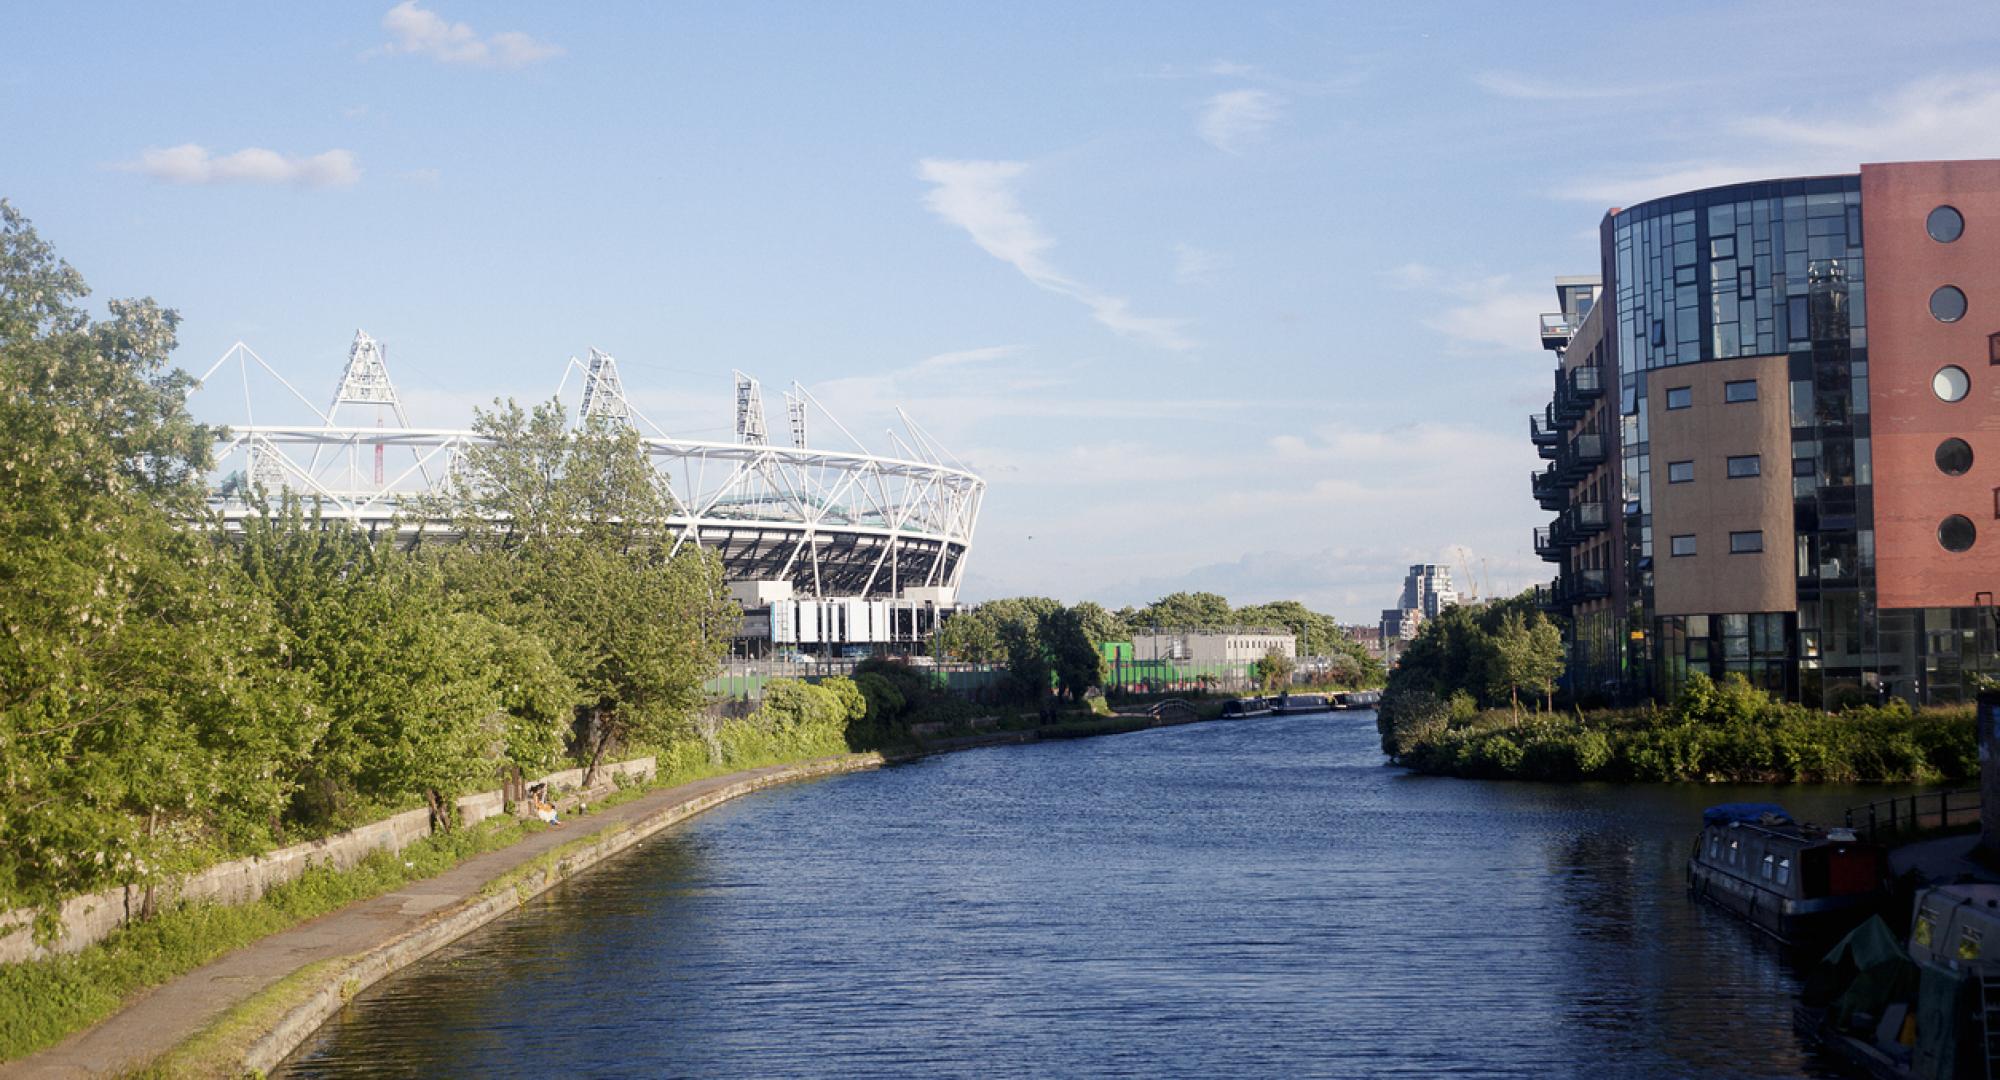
(829, 551)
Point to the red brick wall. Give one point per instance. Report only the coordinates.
(1906, 347)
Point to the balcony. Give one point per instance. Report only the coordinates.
(1545, 433)
(1576, 389)
(1581, 585)
(1556, 331)
(1580, 455)
(1549, 597)
(1586, 519)
(1551, 490)
(1573, 588)
(1547, 546)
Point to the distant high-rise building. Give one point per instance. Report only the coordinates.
(1399, 624)
(1428, 589)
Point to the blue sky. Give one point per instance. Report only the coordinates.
(1215, 296)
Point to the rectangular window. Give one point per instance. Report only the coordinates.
(1680, 472)
(1745, 390)
(1683, 546)
(1680, 397)
(1746, 465)
(1746, 543)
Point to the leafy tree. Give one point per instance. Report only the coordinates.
(140, 701)
(1273, 670)
(1065, 637)
(1199, 610)
(564, 537)
(971, 637)
(1524, 652)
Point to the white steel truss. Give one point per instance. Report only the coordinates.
(832, 522)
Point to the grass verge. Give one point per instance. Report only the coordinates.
(43, 1001)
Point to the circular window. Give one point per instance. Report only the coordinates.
(1944, 225)
(1948, 304)
(1956, 533)
(1951, 383)
(1954, 457)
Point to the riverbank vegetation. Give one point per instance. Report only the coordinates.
(174, 692)
(1454, 707)
(1044, 643)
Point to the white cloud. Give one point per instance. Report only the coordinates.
(978, 196)
(1509, 84)
(1938, 118)
(1234, 120)
(1412, 275)
(965, 358)
(1197, 266)
(417, 32)
(1493, 315)
(190, 163)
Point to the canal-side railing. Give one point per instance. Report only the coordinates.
(1925, 811)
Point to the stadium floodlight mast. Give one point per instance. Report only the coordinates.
(846, 523)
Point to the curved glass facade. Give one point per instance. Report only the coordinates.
(1762, 269)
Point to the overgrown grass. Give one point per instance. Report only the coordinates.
(1721, 734)
(43, 1001)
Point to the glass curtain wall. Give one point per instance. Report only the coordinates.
(1762, 269)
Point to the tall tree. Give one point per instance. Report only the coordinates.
(564, 535)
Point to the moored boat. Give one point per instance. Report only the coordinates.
(1799, 883)
(1291, 704)
(1243, 708)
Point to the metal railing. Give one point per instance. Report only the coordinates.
(1925, 811)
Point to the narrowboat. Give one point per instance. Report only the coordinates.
(1801, 884)
(1291, 704)
(1245, 707)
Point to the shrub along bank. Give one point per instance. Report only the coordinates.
(43, 1001)
(1729, 732)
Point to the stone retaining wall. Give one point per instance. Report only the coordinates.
(87, 920)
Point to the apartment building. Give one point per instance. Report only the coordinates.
(1774, 438)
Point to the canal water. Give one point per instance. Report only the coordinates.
(1261, 898)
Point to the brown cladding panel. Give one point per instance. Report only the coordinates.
(1708, 433)
(1906, 348)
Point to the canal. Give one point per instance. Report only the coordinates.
(1262, 897)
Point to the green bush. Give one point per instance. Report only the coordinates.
(1726, 732)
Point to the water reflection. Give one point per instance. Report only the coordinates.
(1255, 898)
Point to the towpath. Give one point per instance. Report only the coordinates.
(160, 1019)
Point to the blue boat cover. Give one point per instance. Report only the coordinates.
(1749, 813)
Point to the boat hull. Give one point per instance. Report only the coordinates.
(1794, 921)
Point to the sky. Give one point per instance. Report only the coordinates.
(1233, 297)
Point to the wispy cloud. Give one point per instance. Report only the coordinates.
(1197, 266)
(1508, 84)
(978, 196)
(966, 358)
(1234, 120)
(417, 32)
(1941, 117)
(190, 163)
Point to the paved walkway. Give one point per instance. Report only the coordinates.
(157, 1020)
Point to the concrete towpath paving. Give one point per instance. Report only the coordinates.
(158, 1020)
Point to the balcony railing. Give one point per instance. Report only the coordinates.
(1576, 389)
(1556, 330)
(1546, 544)
(1573, 588)
(1545, 433)
(1550, 488)
(1579, 455)
(1587, 585)
(1587, 519)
